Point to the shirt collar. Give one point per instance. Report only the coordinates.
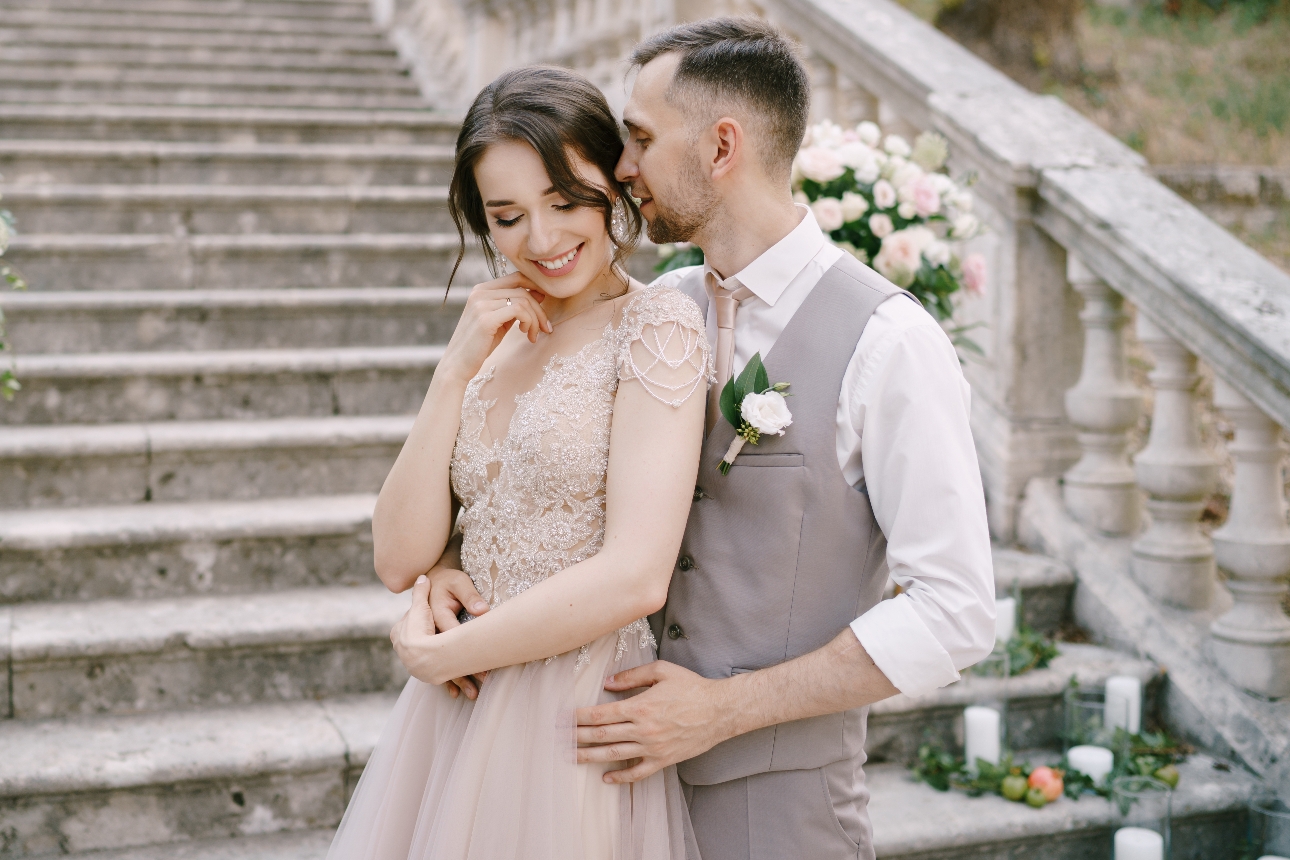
(771, 273)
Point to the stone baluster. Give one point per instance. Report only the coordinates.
(1252, 640)
(1173, 559)
(1100, 490)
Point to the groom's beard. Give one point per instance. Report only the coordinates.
(679, 223)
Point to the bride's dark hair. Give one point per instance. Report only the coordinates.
(554, 111)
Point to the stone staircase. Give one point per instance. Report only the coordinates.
(233, 219)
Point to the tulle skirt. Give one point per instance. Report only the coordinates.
(497, 778)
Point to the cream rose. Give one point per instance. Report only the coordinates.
(828, 213)
(907, 211)
(880, 225)
(869, 133)
(896, 145)
(853, 206)
(965, 226)
(819, 164)
(767, 412)
(884, 194)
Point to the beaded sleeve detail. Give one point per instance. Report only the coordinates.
(533, 501)
(664, 345)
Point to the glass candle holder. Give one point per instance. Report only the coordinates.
(1269, 827)
(1084, 720)
(992, 691)
(1144, 806)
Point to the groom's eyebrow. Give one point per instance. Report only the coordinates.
(547, 193)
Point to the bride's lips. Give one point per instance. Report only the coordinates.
(564, 269)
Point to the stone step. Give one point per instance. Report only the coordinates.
(351, 11)
(261, 261)
(208, 385)
(111, 93)
(368, 43)
(113, 60)
(86, 783)
(69, 322)
(912, 821)
(291, 845)
(1045, 586)
(229, 125)
(899, 725)
(79, 162)
(219, 209)
(92, 78)
(136, 656)
(75, 465)
(246, 20)
(175, 549)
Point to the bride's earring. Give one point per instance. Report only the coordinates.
(502, 264)
(618, 223)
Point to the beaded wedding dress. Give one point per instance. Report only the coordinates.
(496, 778)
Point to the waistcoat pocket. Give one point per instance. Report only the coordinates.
(782, 460)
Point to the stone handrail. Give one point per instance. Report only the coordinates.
(1074, 218)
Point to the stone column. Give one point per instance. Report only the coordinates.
(1252, 640)
(1174, 560)
(1100, 490)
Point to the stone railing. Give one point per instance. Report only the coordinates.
(1072, 215)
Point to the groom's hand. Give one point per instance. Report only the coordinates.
(451, 591)
(678, 716)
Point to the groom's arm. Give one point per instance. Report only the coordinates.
(908, 396)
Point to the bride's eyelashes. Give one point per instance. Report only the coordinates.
(559, 207)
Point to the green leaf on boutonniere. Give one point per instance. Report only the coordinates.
(730, 402)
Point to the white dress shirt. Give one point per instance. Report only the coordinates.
(902, 429)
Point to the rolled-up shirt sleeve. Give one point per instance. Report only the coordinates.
(903, 430)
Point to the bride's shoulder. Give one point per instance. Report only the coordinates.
(658, 304)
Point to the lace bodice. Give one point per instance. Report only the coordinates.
(533, 501)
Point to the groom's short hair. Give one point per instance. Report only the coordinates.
(745, 60)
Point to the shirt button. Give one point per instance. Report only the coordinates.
(675, 632)
(686, 563)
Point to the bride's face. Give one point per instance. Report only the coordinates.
(562, 247)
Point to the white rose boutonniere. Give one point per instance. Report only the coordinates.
(754, 407)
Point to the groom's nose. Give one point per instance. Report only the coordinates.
(626, 170)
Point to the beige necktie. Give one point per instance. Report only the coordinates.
(727, 302)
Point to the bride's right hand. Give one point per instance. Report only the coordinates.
(492, 308)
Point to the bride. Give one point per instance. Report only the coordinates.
(564, 421)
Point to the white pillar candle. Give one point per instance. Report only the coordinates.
(1273, 857)
(1138, 843)
(1124, 703)
(1005, 618)
(981, 733)
(1094, 762)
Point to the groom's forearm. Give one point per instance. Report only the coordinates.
(837, 677)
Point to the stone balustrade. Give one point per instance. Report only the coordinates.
(1073, 220)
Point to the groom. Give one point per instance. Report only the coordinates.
(775, 639)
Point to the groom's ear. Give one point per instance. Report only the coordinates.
(728, 136)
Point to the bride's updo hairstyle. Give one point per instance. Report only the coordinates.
(555, 111)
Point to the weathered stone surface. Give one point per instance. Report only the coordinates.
(911, 820)
(203, 210)
(135, 656)
(92, 93)
(237, 384)
(199, 162)
(300, 845)
(160, 549)
(181, 461)
(68, 322)
(897, 726)
(1045, 585)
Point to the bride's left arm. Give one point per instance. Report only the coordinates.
(653, 462)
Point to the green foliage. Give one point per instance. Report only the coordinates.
(672, 257)
(1029, 649)
(9, 384)
(936, 766)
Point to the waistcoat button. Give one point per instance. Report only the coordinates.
(698, 492)
(675, 632)
(686, 563)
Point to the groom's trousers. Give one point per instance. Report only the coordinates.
(819, 814)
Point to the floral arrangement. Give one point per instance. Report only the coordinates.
(755, 407)
(8, 382)
(893, 207)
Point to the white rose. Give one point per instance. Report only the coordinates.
(868, 172)
(828, 213)
(896, 145)
(884, 194)
(960, 200)
(965, 226)
(942, 183)
(819, 164)
(767, 412)
(869, 132)
(880, 225)
(937, 253)
(854, 155)
(907, 211)
(853, 206)
(826, 134)
(906, 173)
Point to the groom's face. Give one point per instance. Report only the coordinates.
(661, 158)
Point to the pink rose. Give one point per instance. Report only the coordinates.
(901, 255)
(884, 195)
(819, 164)
(922, 193)
(974, 274)
(828, 213)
